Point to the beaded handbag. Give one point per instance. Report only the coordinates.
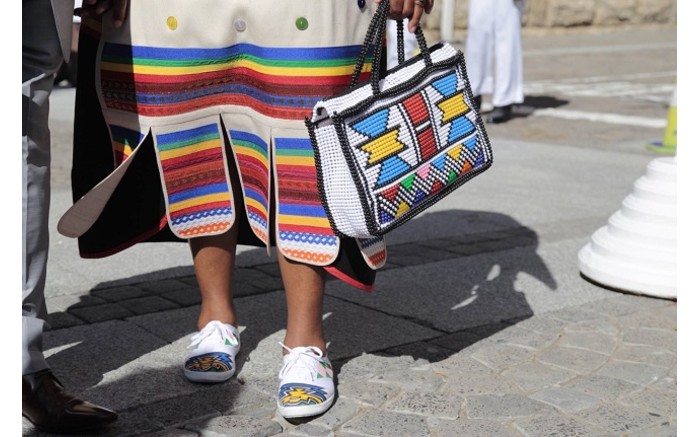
(388, 149)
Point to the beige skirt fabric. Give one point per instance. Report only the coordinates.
(223, 84)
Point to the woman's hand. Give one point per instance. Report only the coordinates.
(411, 9)
(96, 8)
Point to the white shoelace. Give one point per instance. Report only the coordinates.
(307, 357)
(214, 331)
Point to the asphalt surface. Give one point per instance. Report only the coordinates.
(480, 324)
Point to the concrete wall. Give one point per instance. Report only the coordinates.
(564, 14)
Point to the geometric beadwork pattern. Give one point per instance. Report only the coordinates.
(199, 200)
(410, 151)
(388, 149)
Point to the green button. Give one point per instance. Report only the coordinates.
(302, 23)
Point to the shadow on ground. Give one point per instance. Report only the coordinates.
(450, 281)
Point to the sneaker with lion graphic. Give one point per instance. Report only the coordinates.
(214, 356)
(306, 384)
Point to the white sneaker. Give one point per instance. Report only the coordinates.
(306, 383)
(214, 358)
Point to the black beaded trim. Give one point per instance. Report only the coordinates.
(488, 161)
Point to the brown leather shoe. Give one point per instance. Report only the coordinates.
(50, 408)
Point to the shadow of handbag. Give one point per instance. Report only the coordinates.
(387, 149)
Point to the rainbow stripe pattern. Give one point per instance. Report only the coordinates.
(159, 84)
(304, 232)
(198, 196)
(252, 157)
(124, 141)
(277, 82)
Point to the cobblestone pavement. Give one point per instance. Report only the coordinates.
(480, 324)
(603, 367)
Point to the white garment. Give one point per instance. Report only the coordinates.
(410, 43)
(494, 50)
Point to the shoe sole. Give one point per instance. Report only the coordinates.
(299, 411)
(208, 377)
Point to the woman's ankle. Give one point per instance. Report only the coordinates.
(308, 341)
(228, 318)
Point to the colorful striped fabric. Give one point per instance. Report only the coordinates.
(373, 250)
(252, 157)
(193, 169)
(164, 83)
(305, 233)
(276, 82)
(124, 141)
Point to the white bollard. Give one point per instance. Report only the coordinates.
(636, 251)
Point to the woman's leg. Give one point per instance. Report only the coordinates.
(218, 340)
(214, 261)
(304, 288)
(479, 46)
(307, 385)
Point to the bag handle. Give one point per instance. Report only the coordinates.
(422, 44)
(374, 40)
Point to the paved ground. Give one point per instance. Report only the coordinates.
(480, 325)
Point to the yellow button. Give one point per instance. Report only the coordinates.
(171, 22)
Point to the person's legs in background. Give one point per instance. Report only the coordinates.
(38, 66)
(479, 49)
(508, 57)
(494, 55)
(45, 402)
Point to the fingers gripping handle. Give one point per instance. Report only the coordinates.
(374, 41)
